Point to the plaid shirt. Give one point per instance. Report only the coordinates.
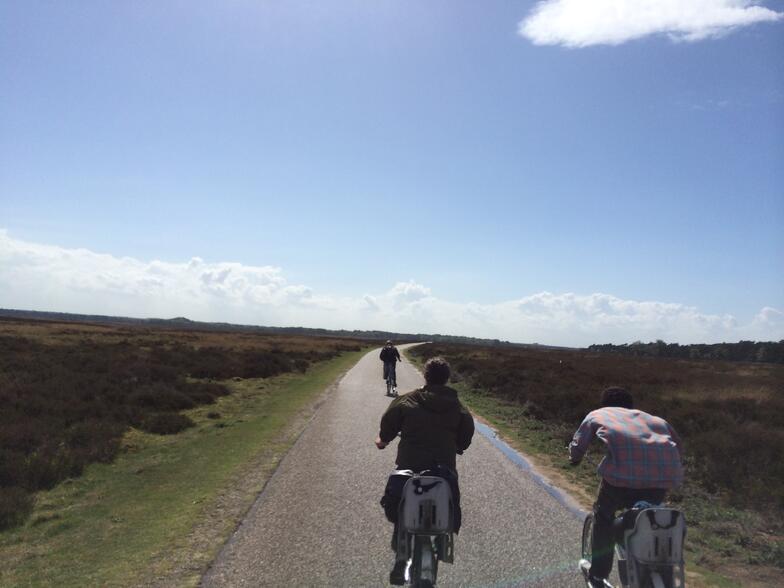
(642, 449)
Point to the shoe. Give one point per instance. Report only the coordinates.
(593, 581)
(397, 577)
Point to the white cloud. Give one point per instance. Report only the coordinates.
(580, 23)
(404, 293)
(45, 277)
(769, 318)
(371, 302)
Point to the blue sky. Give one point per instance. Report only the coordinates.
(561, 172)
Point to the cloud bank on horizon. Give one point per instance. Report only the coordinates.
(577, 23)
(37, 276)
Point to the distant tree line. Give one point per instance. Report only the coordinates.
(756, 351)
(185, 324)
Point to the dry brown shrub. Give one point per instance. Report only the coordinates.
(729, 414)
(68, 392)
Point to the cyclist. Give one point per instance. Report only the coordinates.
(643, 461)
(390, 356)
(434, 426)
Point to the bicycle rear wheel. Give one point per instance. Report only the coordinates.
(656, 581)
(424, 564)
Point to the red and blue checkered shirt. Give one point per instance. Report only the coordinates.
(643, 451)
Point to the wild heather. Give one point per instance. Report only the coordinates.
(68, 393)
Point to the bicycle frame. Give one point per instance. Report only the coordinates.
(390, 380)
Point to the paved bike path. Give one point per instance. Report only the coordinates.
(318, 521)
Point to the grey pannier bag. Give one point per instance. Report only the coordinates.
(426, 506)
(654, 543)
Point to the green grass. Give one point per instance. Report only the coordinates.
(161, 511)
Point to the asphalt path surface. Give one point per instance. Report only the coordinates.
(318, 521)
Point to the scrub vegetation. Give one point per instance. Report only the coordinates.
(729, 414)
(69, 392)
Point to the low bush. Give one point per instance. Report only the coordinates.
(16, 504)
(69, 392)
(166, 423)
(729, 415)
(160, 396)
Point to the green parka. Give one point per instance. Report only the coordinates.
(433, 427)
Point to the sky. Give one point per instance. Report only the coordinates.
(560, 172)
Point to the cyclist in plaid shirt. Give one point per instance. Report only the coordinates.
(643, 461)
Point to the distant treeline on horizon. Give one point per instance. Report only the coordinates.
(182, 323)
(755, 351)
(766, 352)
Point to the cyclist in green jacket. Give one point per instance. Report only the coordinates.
(434, 427)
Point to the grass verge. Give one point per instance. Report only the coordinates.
(161, 511)
(721, 550)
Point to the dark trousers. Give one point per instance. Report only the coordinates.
(610, 500)
(389, 370)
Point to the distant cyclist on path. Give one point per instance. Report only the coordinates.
(643, 461)
(390, 356)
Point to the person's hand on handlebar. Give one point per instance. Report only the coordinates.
(380, 444)
(573, 462)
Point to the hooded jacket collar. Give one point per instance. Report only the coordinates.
(436, 398)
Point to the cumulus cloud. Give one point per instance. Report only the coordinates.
(580, 23)
(371, 302)
(45, 277)
(78, 280)
(404, 293)
(769, 319)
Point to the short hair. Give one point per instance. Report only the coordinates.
(617, 396)
(437, 371)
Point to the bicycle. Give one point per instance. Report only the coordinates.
(649, 547)
(425, 529)
(391, 384)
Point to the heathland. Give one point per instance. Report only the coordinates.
(116, 443)
(129, 451)
(729, 414)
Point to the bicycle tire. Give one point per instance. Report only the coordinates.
(415, 571)
(434, 555)
(656, 581)
(417, 581)
(587, 536)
